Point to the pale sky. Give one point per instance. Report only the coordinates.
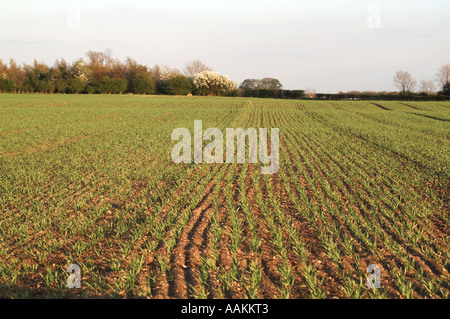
(328, 45)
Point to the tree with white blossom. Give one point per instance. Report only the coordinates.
(212, 83)
(81, 71)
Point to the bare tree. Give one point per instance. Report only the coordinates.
(156, 72)
(270, 84)
(195, 67)
(311, 93)
(16, 73)
(162, 72)
(97, 58)
(443, 76)
(404, 81)
(100, 64)
(3, 70)
(427, 87)
(250, 84)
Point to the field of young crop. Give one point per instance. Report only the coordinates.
(89, 180)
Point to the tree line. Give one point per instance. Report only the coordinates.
(101, 73)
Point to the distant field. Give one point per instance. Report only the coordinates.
(89, 180)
